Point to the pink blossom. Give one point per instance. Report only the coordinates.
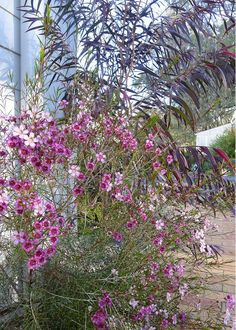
(183, 289)
(27, 246)
(54, 240)
(30, 140)
(134, 303)
(230, 301)
(169, 159)
(99, 319)
(174, 319)
(37, 225)
(159, 224)
(168, 271)
(78, 191)
(165, 323)
(74, 170)
(180, 270)
(156, 166)
(118, 178)
(63, 104)
(105, 301)
(20, 131)
(149, 145)
(19, 237)
(54, 231)
(50, 251)
(32, 263)
(117, 236)
(39, 253)
(132, 223)
(158, 151)
(163, 171)
(162, 249)
(81, 176)
(90, 166)
(46, 224)
(101, 157)
(38, 235)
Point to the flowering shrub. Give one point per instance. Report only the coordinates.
(99, 197)
(103, 211)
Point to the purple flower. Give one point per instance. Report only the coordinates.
(169, 159)
(99, 319)
(105, 301)
(32, 263)
(27, 246)
(117, 236)
(230, 302)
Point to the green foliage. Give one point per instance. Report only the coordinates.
(226, 142)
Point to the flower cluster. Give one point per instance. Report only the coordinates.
(100, 317)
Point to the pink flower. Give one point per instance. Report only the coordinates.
(117, 236)
(46, 224)
(179, 270)
(159, 224)
(174, 319)
(165, 323)
(183, 289)
(32, 263)
(149, 145)
(81, 176)
(54, 240)
(27, 246)
(50, 251)
(78, 191)
(101, 157)
(3, 153)
(19, 237)
(156, 166)
(168, 271)
(39, 253)
(105, 301)
(162, 249)
(158, 151)
(99, 319)
(169, 159)
(230, 301)
(30, 140)
(134, 303)
(90, 166)
(41, 260)
(3, 207)
(2, 182)
(37, 235)
(37, 225)
(63, 104)
(154, 266)
(163, 171)
(118, 178)
(54, 231)
(132, 223)
(74, 170)
(20, 131)
(106, 184)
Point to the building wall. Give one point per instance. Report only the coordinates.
(18, 51)
(9, 54)
(205, 138)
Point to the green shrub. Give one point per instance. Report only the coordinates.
(226, 142)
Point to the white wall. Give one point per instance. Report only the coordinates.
(9, 54)
(18, 51)
(205, 138)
